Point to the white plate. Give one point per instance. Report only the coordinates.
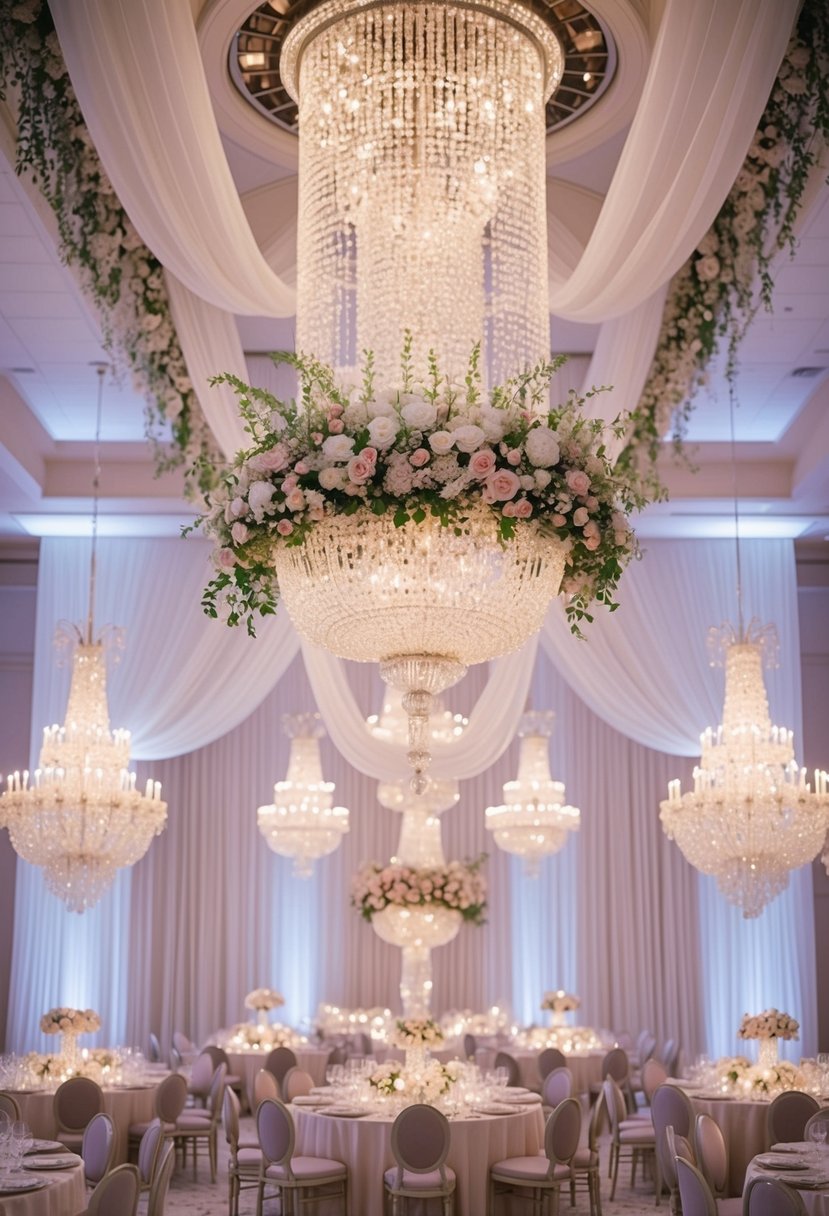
(525, 1099)
(45, 1146)
(63, 1161)
(771, 1161)
(15, 1186)
(496, 1108)
(311, 1100)
(343, 1112)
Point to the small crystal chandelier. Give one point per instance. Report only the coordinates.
(301, 822)
(751, 817)
(533, 821)
(79, 815)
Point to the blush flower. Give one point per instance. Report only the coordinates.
(503, 485)
(482, 463)
(578, 481)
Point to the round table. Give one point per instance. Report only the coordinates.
(586, 1068)
(364, 1145)
(246, 1064)
(744, 1126)
(64, 1195)
(135, 1104)
(815, 1198)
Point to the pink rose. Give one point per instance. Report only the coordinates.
(523, 508)
(336, 426)
(289, 484)
(239, 532)
(420, 457)
(271, 461)
(225, 559)
(334, 410)
(578, 481)
(591, 502)
(559, 520)
(300, 467)
(592, 542)
(482, 463)
(514, 457)
(359, 469)
(369, 454)
(503, 485)
(580, 516)
(295, 501)
(591, 528)
(316, 437)
(509, 510)
(284, 527)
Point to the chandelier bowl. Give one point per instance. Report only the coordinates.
(427, 926)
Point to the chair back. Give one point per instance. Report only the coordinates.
(711, 1152)
(76, 1101)
(296, 1084)
(670, 1104)
(669, 1147)
(176, 1062)
(645, 1046)
(470, 1046)
(654, 1074)
(594, 1127)
(9, 1106)
(772, 1197)
(549, 1059)
(667, 1054)
(337, 1055)
(183, 1045)
(557, 1086)
(148, 1151)
(420, 1141)
(503, 1059)
(279, 1061)
(615, 1065)
(265, 1085)
(217, 1089)
(788, 1115)
(161, 1182)
(154, 1054)
(277, 1137)
(561, 1135)
(170, 1097)
(116, 1194)
(694, 1191)
(615, 1105)
(98, 1148)
(361, 1044)
(201, 1074)
(217, 1054)
(230, 1120)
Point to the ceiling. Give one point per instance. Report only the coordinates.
(50, 340)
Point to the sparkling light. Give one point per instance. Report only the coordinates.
(751, 816)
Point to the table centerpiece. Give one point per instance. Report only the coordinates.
(262, 1000)
(559, 1003)
(69, 1023)
(768, 1028)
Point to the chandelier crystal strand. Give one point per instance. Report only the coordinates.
(533, 821)
(422, 201)
(302, 822)
(79, 816)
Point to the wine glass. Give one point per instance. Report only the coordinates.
(817, 1134)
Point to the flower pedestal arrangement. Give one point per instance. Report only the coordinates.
(768, 1053)
(69, 1023)
(417, 931)
(69, 1053)
(559, 1004)
(768, 1028)
(262, 1000)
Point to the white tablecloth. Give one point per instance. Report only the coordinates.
(586, 1068)
(246, 1064)
(365, 1147)
(64, 1195)
(744, 1127)
(816, 1202)
(126, 1106)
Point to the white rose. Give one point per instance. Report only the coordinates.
(338, 447)
(382, 431)
(384, 404)
(541, 446)
(332, 478)
(259, 498)
(419, 415)
(468, 438)
(441, 442)
(494, 423)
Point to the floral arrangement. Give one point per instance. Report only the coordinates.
(459, 886)
(738, 1076)
(115, 268)
(714, 295)
(569, 1039)
(427, 1084)
(43, 1067)
(264, 998)
(63, 1020)
(560, 1001)
(436, 449)
(768, 1025)
(246, 1036)
(416, 1032)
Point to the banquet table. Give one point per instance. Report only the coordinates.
(744, 1127)
(364, 1144)
(246, 1064)
(585, 1067)
(811, 1182)
(63, 1195)
(126, 1105)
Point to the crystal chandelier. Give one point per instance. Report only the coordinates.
(533, 821)
(301, 822)
(752, 816)
(79, 815)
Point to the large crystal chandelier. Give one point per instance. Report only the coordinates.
(533, 820)
(302, 821)
(752, 816)
(79, 815)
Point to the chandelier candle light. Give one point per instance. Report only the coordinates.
(533, 821)
(301, 822)
(79, 815)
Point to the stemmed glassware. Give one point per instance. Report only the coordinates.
(817, 1134)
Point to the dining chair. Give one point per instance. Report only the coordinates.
(361, 1044)
(149, 1151)
(337, 1055)
(233, 1080)
(245, 1157)
(170, 1100)
(9, 1106)
(98, 1148)
(654, 1074)
(196, 1126)
(557, 1086)
(630, 1139)
(671, 1105)
(420, 1146)
(668, 1147)
(772, 1197)
(279, 1061)
(265, 1085)
(788, 1115)
(116, 1194)
(712, 1162)
(694, 1192)
(157, 1200)
(584, 1166)
(75, 1103)
(290, 1175)
(544, 1173)
(186, 1048)
(549, 1059)
(176, 1062)
(470, 1046)
(296, 1083)
(615, 1064)
(503, 1059)
(201, 1076)
(667, 1054)
(154, 1054)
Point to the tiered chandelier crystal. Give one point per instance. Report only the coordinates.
(302, 822)
(79, 815)
(533, 821)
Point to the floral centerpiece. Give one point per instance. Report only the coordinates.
(263, 1000)
(559, 1003)
(426, 1081)
(259, 1036)
(70, 1023)
(416, 1036)
(459, 886)
(736, 1076)
(569, 1039)
(437, 450)
(768, 1028)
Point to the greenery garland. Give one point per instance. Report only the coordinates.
(714, 296)
(116, 270)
